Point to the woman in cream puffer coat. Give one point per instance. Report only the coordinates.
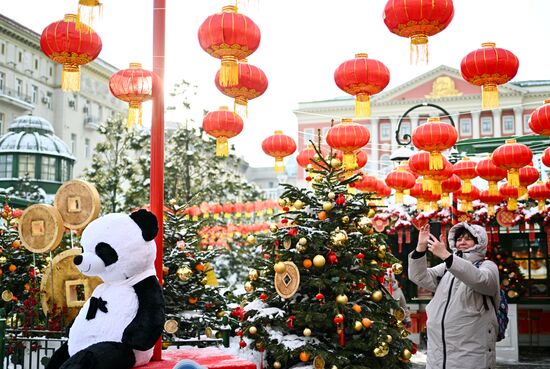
(461, 325)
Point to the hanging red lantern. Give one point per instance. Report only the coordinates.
(466, 170)
(434, 137)
(491, 200)
(382, 189)
(466, 198)
(367, 183)
(362, 77)
(252, 84)
(419, 194)
(231, 37)
(437, 177)
(417, 20)
(279, 146)
(540, 193)
(527, 176)
(545, 158)
(512, 156)
(511, 194)
(419, 163)
(400, 180)
(134, 86)
(539, 122)
(348, 137)
(309, 156)
(223, 125)
(491, 173)
(450, 185)
(65, 44)
(489, 67)
(361, 157)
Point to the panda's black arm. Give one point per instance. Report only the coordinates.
(145, 329)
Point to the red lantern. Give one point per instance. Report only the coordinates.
(231, 37)
(420, 194)
(545, 158)
(222, 124)
(400, 180)
(527, 176)
(367, 183)
(510, 193)
(361, 157)
(539, 122)
(540, 193)
(466, 170)
(450, 185)
(491, 173)
(491, 200)
(348, 137)
(489, 67)
(419, 163)
(362, 77)
(65, 44)
(434, 137)
(308, 156)
(466, 198)
(417, 20)
(252, 83)
(512, 156)
(133, 85)
(382, 189)
(279, 146)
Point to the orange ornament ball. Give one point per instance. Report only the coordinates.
(322, 215)
(12, 268)
(192, 300)
(366, 322)
(356, 308)
(307, 263)
(304, 356)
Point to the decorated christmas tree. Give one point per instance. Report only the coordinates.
(317, 296)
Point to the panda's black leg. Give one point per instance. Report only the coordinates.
(102, 355)
(59, 357)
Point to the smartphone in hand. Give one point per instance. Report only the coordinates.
(435, 229)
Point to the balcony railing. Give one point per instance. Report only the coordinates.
(16, 95)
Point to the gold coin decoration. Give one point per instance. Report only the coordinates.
(399, 314)
(7, 295)
(65, 286)
(288, 282)
(78, 203)
(208, 332)
(171, 326)
(41, 228)
(319, 362)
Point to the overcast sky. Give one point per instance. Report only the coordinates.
(303, 41)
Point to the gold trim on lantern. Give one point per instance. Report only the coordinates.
(362, 105)
(70, 78)
(489, 96)
(222, 147)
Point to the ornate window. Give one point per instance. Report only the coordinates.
(26, 165)
(48, 168)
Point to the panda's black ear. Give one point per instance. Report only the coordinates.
(147, 222)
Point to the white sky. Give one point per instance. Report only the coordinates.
(303, 41)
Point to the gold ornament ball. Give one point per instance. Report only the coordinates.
(273, 228)
(371, 213)
(397, 268)
(357, 326)
(252, 330)
(385, 350)
(165, 344)
(279, 267)
(253, 274)
(298, 204)
(341, 299)
(335, 163)
(282, 202)
(389, 338)
(327, 206)
(339, 238)
(301, 248)
(399, 314)
(302, 241)
(334, 367)
(277, 364)
(318, 178)
(373, 263)
(512, 294)
(204, 281)
(319, 261)
(307, 332)
(377, 352)
(3, 260)
(345, 219)
(382, 248)
(376, 296)
(383, 345)
(406, 354)
(248, 287)
(220, 314)
(184, 273)
(251, 239)
(331, 195)
(309, 167)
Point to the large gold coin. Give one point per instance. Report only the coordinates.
(41, 228)
(7, 295)
(171, 326)
(78, 203)
(287, 282)
(399, 314)
(319, 362)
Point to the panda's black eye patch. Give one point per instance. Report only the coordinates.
(106, 253)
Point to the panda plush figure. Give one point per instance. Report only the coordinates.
(120, 323)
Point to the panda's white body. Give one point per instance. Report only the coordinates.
(122, 305)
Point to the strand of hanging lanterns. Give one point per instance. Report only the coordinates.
(362, 77)
(134, 86)
(231, 37)
(491, 199)
(540, 193)
(489, 67)
(223, 125)
(279, 146)
(348, 137)
(418, 20)
(70, 46)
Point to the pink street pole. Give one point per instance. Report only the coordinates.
(157, 140)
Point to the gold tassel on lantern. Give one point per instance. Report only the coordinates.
(229, 72)
(493, 188)
(222, 147)
(419, 49)
(70, 78)
(489, 97)
(398, 197)
(134, 115)
(522, 192)
(445, 200)
(491, 210)
(240, 107)
(513, 177)
(512, 204)
(436, 161)
(436, 187)
(349, 161)
(86, 12)
(427, 184)
(362, 105)
(466, 186)
(279, 165)
(542, 205)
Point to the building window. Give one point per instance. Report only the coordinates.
(486, 126)
(526, 119)
(6, 166)
(73, 143)
(48, 168)
(3, 48)
(508, 124)
(34, 94)
(2, 117)
(19, 87)
(51, 71)
(26, 166)
(2, 82)
(35, 64)
(309, 134)
(385, 131)
(466, 127)
(66, 170)
(87, 149)
(49, 97)
(20, 57)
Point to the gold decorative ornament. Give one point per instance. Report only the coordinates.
(220, 314)
(399, 314)
(318, 362)
(282, 202)
(339, 237)
(301, 248)
(335, 163)
(3, 260)
(327, 206)
(41, 228)
(307, 332)
(208, 332)
(318, 178)
(171, 326)
(331, 195)
(357, 326)
(371, 213)
(64, 286)
(443, 86)
(277, 364)
(274, 228)
(364, 225)
(345, 219)
(376, 296)
(377, 352)
(302, 241)
(397, 268)
(253, 274)
(319, 261)
(341, 299)
(279, 267)
(406, 354)
(248, 287)
(287, 283)
(78, 203)
(389, 338)
(287, 243)
(7, 295)
(251, 240)
(298, 204)
(184, 273)
(252, 330)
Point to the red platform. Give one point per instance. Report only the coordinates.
(210, 357)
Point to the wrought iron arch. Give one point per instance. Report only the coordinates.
(407, 137)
